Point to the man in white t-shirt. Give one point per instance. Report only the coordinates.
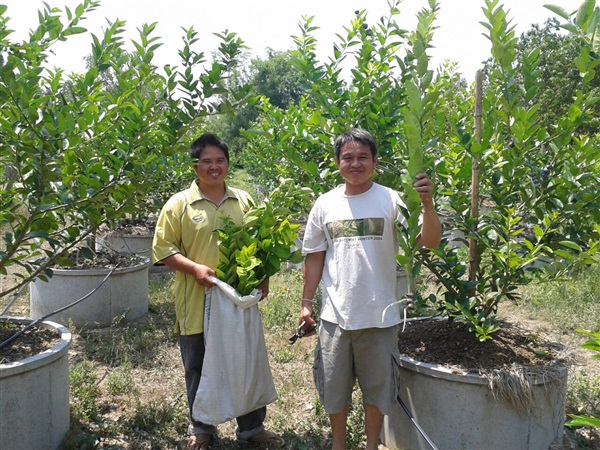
(351, 243)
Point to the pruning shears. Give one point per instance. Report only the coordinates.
(301, 332)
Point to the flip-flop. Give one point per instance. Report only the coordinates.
(199, 442)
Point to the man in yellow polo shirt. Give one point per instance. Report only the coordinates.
(185, 241)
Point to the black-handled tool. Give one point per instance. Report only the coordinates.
(300, 332)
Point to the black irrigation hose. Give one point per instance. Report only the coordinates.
(414, 422)
(407, 411)
(41, 319)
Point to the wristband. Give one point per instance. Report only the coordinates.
(311, 300)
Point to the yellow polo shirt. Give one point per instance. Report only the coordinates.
(186, 225)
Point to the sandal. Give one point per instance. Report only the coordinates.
(267, 438)
(199, 442)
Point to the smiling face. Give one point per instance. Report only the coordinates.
(356, 164)
(211, 168)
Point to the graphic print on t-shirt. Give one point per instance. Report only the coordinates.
(356, 228)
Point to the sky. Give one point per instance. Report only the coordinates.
(271, 24)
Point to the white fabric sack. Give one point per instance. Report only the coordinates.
(236, 377)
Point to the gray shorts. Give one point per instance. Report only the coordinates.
(342, 357)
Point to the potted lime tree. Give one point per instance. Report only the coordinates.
(134, 232)
(525, 223)
(74, 150)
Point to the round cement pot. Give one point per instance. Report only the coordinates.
(129, 243)
(459, 411)
(124, 293)
(34, 396)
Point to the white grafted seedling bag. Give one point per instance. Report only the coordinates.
(236, 377)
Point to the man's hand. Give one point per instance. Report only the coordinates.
(424, 187)
(200, 272)
(301, 332)
(306, 318)
(264, 288)
(202, 275)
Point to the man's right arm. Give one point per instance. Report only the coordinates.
(200, 272)
(313, 270)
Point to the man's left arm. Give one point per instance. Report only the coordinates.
(431, 227)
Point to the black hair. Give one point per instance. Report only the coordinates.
(208, 139)
(355, 135)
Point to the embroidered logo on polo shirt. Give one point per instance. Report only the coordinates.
(199, 218)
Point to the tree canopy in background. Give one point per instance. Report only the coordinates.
(558, 77)
(275, 78)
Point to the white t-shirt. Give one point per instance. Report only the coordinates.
(358, 235)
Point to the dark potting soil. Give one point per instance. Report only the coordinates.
(143, 226)
(105, 260)
(452, 344)
(32, 342)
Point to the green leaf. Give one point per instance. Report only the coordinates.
(74, 30)
(558, 10)
(584, 13)
(403, 260)
(250, 221)
(570, 27)
(571, 245)
(296, 257)
(311, 168)
(583, 421)
(591, 345)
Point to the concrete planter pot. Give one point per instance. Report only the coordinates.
(129, 243)
(459, 411)
(34, 396)
(124, 293)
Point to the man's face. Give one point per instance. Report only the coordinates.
(356, 164)
(212, 167)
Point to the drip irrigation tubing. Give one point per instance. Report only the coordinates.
(41, 319)
(414, 422)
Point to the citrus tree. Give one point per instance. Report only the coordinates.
(536, 205)
(76, 151)
(531, 212)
